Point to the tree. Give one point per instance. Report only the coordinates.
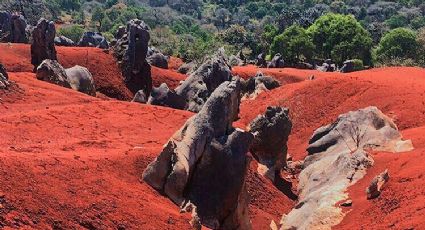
(98, 15)
(293, 44)
(235, 35)
(73, 32)
(106, 24)
(340, 37)
(420, 39)
(397, 43)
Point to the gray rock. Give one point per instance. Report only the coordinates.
(235, 61)
(159, 60)
(140, 97)
(261, 60)
(376, 185)
(197, 88)
(120, 32)
(271, 132)
(53, 72)
(131, 51)
(327, 66)
(347, 67)
(43, 45)
(93, 39)
(337, 159)
(255, 85)
(4, 78)
(304, 65)
(81, 80)
(5, 26)
(187, 68)
(3, 71)
(276, 62)
(12, 28)
(64, 41)
(164, 96)
(204, 164)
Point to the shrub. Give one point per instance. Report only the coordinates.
(358, 65)
(399, 43)
(73, 32)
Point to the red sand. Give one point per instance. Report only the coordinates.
(70, 160)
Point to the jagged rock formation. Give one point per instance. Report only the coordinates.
(159, 60)
(77, 77)
(130, 51)
(12, 28)
(187, 68)
(43, 45)
(4, 78)
(140, 97)
(276, 62)
(197, 88)
(164, 96)
(271, 132)
(327, 66)
(375, 187)
(337, 159)
(64, 41)
(261, 60)
(93, 39)
(204, 165)
(253, 86)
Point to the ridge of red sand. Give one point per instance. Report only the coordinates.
(102, 65)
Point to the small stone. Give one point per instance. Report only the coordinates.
(347, 203)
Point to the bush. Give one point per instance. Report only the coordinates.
(293, 44)
(358, 65)
(73, 32)
(399, 43)
(340, 37)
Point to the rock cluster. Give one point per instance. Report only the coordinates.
(77, 77)
(43, 45)
(13, 28)
(337, 159)
(165, 96)
(158, 59)
(271, 132)
(93, 39)
(327, 66)
(204, 164)
(64, 41)
(130, 51)
(199, 85)
(257, 84)
(261, 60)
(276, 62)
(187, 68)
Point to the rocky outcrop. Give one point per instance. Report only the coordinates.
(255, 85)
(198, 87)
(375, 187)
(164, 96)
(327, 66)
(12, 28)
(77, 77)
(4, 78)
(337, 159)
(93, 39)
(158, 60)
(276, 62)
(271, 131)
(43, 45)
(203, 166)
(187, 68)
(140, 97)
(130, 51)
(261, 60)
(64, 41)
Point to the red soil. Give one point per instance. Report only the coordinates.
(174, 63)
(172, 78)
(71, 160)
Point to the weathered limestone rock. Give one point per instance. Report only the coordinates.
(165, 96)
(93, 39)
(337, 159)
(261, 60)
(81, 80)
(204, 165)
(271, 132)
(12, 28)
(64, 41)
(130, 51)
(158, 60)
(4, 78)
(253, 86)
(43, 45)
(276, 62)
(187, 68)
(51, 71)
(198, 87)
(375, 187)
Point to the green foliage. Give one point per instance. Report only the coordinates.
(73, 32)
(98, 15)
(235, 35)
(106, 24)
(340, 37)
(396, 21)
(293, 44)
(358, 65)
(398, 43)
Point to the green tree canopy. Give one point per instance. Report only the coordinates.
(397, 43)
(293, 44)
(340, 37)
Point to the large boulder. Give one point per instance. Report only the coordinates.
(348, 66)
(271, 131)
(77, 77)
(93, 39)
(81, 80)
(12, 28)
(43, 45)
(198, 87)
(53, 72)
(130, 51)
(337, 159)
(159, 60)
(276, 62)
(257, 84)
(165, 96)
(64, 41)
(204, 164)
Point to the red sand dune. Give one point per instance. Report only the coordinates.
(70, 160)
